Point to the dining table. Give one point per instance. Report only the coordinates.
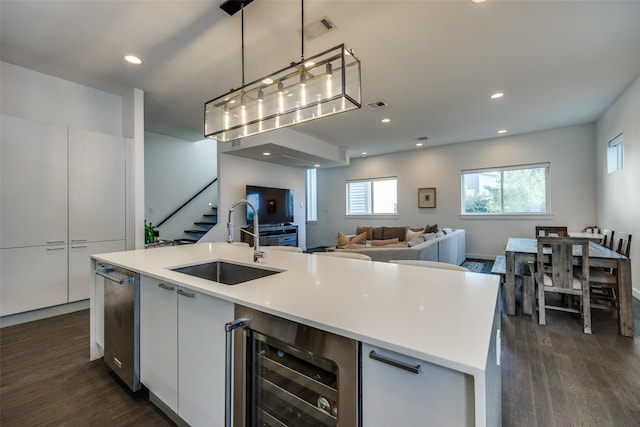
(524, 249)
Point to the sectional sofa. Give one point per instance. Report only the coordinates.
(448, 245)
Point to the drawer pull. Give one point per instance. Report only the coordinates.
(79, 240)
(54, 242)
(79, 247)
(167, 287)
(396, 363)
(56, 249)
(186, 294)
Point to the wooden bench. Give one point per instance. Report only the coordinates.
(522, 271)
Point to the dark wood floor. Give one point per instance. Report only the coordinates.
(46, 379)
(555, 375)
(552, 375)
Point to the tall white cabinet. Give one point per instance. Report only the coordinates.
(63, 198)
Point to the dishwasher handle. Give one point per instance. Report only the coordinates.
(118, 276)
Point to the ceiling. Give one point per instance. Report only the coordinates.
(434, 63)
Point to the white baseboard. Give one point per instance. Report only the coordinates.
(30, 316)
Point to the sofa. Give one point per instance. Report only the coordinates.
(445, 245)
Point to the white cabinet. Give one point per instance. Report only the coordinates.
(33, 182)
(80, 265)
(96, 186)
(60, 187)
(159, 339)
(392, 396)
(182, 350)
(32, 278)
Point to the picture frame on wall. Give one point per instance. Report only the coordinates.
(427, 197)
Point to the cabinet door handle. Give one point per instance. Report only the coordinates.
(229, 327)
(186, 294)
(54, 242)
(56, 249)
(78, 240)
(396, 363)
(167, 287)
(79, 247)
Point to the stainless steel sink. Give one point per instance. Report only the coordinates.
(225, 272)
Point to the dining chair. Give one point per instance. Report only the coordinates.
(283, 248)
(557, 276)
(607, 238)
(604, 282)
(551, 231)
(431, 264)
(352, 255)
(624, 244)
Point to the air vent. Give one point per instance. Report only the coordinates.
(317, 28)
(342, 155)
(236, 143)
(376, 105)
(422, 138)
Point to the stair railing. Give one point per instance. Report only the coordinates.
(186, 203)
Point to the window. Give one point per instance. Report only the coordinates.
(506, 190)
(372, 196)
(615, 154)
(312, 195)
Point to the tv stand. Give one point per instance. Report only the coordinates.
(273, 235)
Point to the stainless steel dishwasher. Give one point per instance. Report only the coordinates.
(122, 322)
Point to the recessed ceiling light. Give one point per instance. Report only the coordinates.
(267, 81)
(316, 165)
(478, 1)
(132, 59)
(364, 153)
(266, 153)
(502, 131)
(385, 120)
(419, 144)
(497, 95)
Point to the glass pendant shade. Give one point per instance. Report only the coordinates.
(326, 84)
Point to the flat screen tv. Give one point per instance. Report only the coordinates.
(274, 205)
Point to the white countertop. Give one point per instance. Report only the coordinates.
(440, 316)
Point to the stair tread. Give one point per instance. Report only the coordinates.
(196, 231)
(205, 223)
(210, 215)
(184, 241)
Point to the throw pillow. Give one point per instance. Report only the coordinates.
(393, 241)
(429, 236)
(431, 228)
(420, 229)
(412, 234)
(343, 240)
(447, 230)
(368, 230)
(416, 240)
(439, 233)
(376, 234)
(360, 238)
(393, 232)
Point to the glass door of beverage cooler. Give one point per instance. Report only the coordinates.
(291, 387)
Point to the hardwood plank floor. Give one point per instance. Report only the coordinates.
(555, 375)
(46, 379)
(552, 375)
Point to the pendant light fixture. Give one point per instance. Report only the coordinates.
(322, 85)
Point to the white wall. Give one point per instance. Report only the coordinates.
(236, 172)
(176, 169)
(619, 192)
(570, 151)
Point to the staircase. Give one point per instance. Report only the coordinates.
(201, 228)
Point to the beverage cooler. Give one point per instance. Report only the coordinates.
(289, 374)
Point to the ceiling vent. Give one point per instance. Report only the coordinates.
(236, 143)
(376, 105)
(422, 138)
(317, 28)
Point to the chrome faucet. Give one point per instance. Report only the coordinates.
(257, 253)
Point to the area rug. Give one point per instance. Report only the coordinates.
(475, 266)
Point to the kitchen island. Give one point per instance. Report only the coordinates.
(446, 319)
